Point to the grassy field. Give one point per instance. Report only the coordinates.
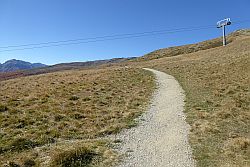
(217, 86)
(57, 119)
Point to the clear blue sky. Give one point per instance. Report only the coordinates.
(35, 21)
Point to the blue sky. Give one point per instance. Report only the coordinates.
(35, 21)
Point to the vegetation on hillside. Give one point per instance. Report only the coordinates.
(15, 65)
(191, 48)
(57, 118)
(216, 82)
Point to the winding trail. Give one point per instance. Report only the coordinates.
(161, 138)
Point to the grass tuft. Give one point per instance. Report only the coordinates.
(74, 98)
(13, 164)
(3, 108)
(80, 157)
(29, 163)
(21, 144)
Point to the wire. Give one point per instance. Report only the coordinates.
(101, 37)
(105, 38)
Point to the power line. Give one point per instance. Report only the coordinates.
(105, 38)
(100, 40)
(101, 37)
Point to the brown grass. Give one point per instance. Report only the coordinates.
(217, 87)
(190, 48)
(48, 119)
(81, 105)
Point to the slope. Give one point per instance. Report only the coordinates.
(57, 119)
(190, 48)
(216, 82)
(60, 67)
(215, 79)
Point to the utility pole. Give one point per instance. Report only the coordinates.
(222, 24)
(224, 36)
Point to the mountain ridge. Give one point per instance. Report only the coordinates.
(15, 65)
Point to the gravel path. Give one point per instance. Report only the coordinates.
(161, 139)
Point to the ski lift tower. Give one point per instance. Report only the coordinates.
(222, 24)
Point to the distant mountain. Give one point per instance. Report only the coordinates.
(15, 65)
(95, 63)
(64, 66)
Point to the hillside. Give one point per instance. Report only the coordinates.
(216, 82)
(191, 48)
(49, 119)
(165, 52)
(57, 118)
(15, 65)
(62, 67)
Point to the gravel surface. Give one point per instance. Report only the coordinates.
(161, 138)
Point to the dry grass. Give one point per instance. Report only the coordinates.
(191, 48)
(217, 87)
(48, 119)
(81, 105)
(185, 49)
